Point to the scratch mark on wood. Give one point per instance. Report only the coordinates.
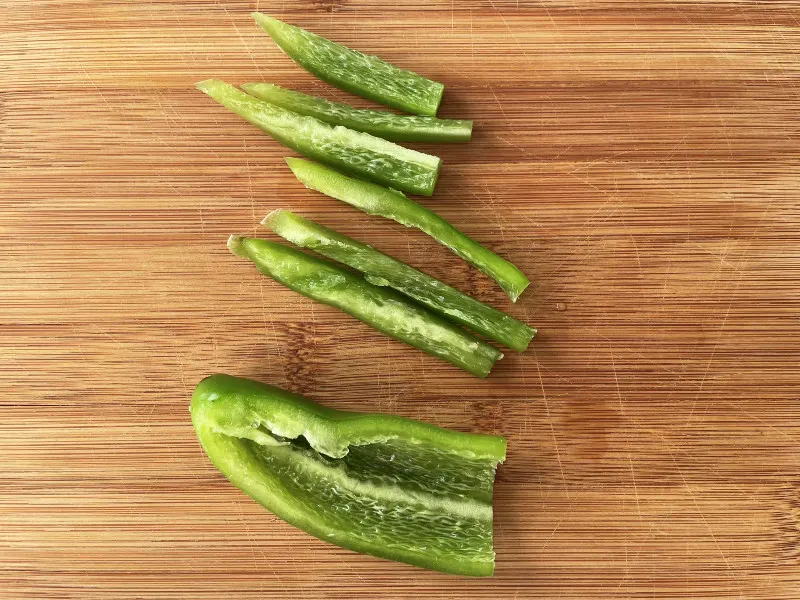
(552, 427)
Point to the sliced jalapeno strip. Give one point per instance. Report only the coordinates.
(353, 71)
(382, 308)
(353, 151)
(381, 269)
(389, 126)
(378, 200)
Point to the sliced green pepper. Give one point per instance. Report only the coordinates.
(380, 269)
(382, 308)
(377, 200)
(358, 153)
(379, 484)
(389, 126)
(354, 72)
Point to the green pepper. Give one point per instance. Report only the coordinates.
(382, 270)
(354, 72)
(358, 153)
(389, 126)
(382, 308)
(377, 200)
(380, 484)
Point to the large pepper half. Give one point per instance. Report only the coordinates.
(380, 484)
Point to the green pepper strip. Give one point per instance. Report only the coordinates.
(380, 484)
(377, 200)
(354, 72)
(358, 153)
(380, 269)
(389, 126)
(382, 308)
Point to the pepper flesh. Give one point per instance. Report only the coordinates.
(353, 71)
(380, 484)
(382, 308)
(377, 200)
(353, 151)
(383, 270)
(389, 126)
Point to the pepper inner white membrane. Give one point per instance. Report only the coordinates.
(407, 496)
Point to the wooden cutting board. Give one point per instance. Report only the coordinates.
(638, 160)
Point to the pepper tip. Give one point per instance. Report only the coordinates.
(263, 20)
(236, 245)
(207, 85)
(271, 217)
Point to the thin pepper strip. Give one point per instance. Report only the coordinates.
(353, 151)
(379, 484)
(381, 269)
(378, 200)
(353, 71)
(382, 308)
(389, 126)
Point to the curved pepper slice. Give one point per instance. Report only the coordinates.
(378, 200)
(380, 484)
(354, 72)
(353, 151)
(381, 269)
(389, 126)
(382, 308)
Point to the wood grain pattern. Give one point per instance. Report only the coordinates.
(638, 160)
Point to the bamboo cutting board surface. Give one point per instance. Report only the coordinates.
(638, 160)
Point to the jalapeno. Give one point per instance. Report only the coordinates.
(355, 152)
(382, 308)
(354, 72)
(378, 200)
(380, 484)
(389, 126)
(381, 269)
